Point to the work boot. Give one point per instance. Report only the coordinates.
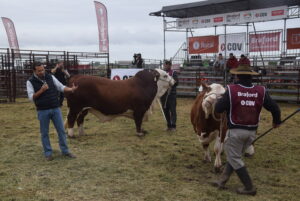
(228, 170)
(248, 188)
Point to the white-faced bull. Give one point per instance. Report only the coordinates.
(107, 99)
(207, 124)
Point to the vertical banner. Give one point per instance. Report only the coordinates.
(203, 44)
(11, 35)
(235, 43)
(293, 38)
(101, 14)
(264, 42)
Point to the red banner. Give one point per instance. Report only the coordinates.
(203, 44)
(101, 14)
(293, 38)
(11, 35)
(264, 42)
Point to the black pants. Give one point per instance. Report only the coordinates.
(169, 106)
(61, 97)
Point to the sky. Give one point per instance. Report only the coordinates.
(71, 25)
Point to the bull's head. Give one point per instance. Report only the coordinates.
(164, 82)
(211, 93)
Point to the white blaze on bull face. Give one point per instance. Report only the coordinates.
(164, 82)
(211, 97)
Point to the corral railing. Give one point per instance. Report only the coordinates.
(147, 64)
(16, 67)
(281, 76)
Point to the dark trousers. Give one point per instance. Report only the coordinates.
(169, 107)
(61, 97)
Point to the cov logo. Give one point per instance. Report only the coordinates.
(196, 45)
(261, 15)
(232, 46)
(125, 77)
(116, 77)
(204, 21)
(247, 103)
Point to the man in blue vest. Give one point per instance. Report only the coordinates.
(168, 100)
(42, 89)
(243, 102)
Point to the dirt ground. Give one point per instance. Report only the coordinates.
(114, 164)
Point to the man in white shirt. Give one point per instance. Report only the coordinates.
(42, 89)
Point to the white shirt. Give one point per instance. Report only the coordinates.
(30, 90)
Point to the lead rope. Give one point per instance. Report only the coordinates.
(213, 106)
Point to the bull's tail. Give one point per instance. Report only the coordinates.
(195, 118)
(223, 126)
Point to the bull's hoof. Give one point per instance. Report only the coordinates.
(217, 170)
(207, 159)
(140, 134)
(248, 155)
(71, 136)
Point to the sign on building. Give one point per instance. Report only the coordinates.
(264, 42)
(259, 15)
(203, 44)
(235, 43)
(293, 38)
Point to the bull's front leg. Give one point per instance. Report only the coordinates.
(205, 145)
(218, 149)
(138, 119)
(80, 121)
(249, 151)
(71, 118)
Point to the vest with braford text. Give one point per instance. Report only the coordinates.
(246, 104)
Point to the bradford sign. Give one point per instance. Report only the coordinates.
(259, 15)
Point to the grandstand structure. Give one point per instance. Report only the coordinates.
(275, 53)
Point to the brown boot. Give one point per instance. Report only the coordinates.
(228, 170)
(248, 188)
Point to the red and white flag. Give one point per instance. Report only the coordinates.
(11, 34)
(101, 14)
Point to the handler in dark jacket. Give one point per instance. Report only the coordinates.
(60, 74)
(168, 100)
(243, 102)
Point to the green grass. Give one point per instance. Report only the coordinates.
(114, 164)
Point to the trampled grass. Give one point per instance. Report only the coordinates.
(114, 164)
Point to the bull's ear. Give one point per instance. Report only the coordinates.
(205, 87)
(156, 75)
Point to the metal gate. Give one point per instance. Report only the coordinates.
(15, 69)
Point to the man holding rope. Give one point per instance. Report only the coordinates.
(243, 102)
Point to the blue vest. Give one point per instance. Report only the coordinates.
(49, 98)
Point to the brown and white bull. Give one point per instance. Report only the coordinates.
(107, 99)
(207, 124)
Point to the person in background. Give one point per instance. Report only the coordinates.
(244, 60)
(219, 64)
(138, 60)
(61, 74)
(42, 90)
(168, 100)
(232, 62)
(242, 103)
